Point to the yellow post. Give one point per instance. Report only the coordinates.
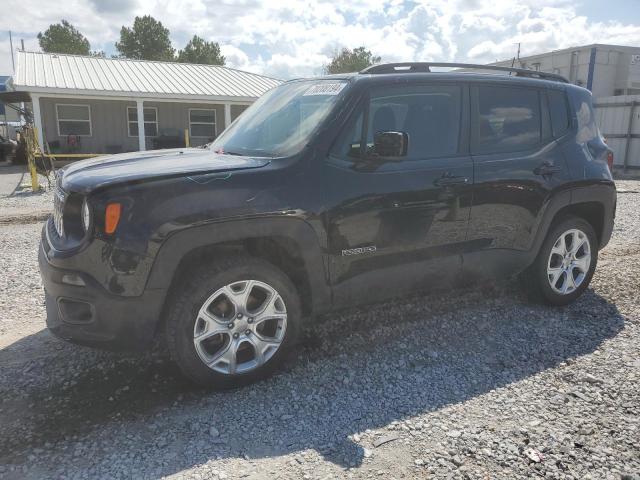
(186, 137)
(32, 144)
(35, 186)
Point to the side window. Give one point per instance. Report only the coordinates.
(507, 119)
(430, 115)
(558, 111)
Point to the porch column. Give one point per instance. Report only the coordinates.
(37, 120)
(227, 115)
(141, 139)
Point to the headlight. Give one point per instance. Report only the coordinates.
(86, 216)
(58, 212)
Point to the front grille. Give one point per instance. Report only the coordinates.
(58, 210)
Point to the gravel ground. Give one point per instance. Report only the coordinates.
(475, 384)
(23, 205)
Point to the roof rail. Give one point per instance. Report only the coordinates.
(422, 67)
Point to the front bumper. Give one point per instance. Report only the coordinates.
(89, 315)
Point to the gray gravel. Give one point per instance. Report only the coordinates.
(474, 384)
(20, 199)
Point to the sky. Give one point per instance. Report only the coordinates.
(287, 38)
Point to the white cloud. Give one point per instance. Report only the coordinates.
(290, 38)
(236, 57)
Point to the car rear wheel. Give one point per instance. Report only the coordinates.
(566, 262)
(233, 322)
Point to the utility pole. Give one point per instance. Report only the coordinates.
(13, 62)
(513, 62)
(22, 106)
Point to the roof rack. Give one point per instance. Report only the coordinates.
(425, 67)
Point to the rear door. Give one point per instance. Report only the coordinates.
(395, 226)
(517, 167)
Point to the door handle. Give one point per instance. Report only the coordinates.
(448, 179)
(547, 168)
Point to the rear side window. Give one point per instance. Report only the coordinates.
(429, 114)
(559, 112)
(506, 119)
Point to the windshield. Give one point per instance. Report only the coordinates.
(281, 122)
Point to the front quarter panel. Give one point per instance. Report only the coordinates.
(193, 211)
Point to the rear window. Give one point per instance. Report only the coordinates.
(506, 119)
(559, 113)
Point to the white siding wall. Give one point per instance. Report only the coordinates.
(613, 69)
(615, 120)
(109, 122)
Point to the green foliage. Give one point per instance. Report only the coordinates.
(148, 39)
(199, 50)
(347, 61)
(63, 38)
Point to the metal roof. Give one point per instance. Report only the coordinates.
(75, 74)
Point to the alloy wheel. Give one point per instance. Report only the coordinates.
(240, 327)
(569, 261)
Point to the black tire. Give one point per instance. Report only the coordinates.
(200, 284)
(536, 279)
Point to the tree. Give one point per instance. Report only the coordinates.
(148, 39)
(199, 50)
(347, 61)
(63, 38)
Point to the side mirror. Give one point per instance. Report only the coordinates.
(390, 144)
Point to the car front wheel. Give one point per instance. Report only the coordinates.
(233, 322)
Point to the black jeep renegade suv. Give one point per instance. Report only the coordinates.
(327, 193)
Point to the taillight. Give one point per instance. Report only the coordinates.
(609, 156)
(610, 160)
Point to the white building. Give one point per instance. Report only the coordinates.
(100, 105)
(606, 70)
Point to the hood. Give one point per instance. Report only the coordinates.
(89, 175)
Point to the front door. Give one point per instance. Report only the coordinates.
(395, 226)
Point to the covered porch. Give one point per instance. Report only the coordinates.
(107, 125)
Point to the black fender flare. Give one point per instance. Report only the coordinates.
(180, 243)
(555, 203)
(603, 193)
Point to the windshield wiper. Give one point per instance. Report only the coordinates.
(222, 151)
(251, 153)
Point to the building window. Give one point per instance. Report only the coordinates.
(150, 121)
(73, 120)
(202, 123)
